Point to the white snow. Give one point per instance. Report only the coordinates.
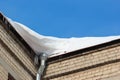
(54, 46)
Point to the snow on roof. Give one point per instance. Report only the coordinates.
(54, 46)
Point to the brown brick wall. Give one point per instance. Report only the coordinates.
(11, 51)
(116, 77)
(3, 73)
(78, 68)
(17, 49)
(12, 66)
(98, 73)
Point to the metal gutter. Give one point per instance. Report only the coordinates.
(43, 57)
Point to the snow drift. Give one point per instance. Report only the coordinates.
(54, 46)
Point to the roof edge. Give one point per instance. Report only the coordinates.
(9, 27)
(73, 53)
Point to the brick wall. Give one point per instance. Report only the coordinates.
(97, 73)
(3, 73)
(14, 58)
(97, 64)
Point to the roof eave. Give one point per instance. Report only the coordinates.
(7, 25)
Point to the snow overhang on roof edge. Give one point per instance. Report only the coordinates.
(54, 46)
(88, 49)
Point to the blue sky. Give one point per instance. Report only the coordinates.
(66, 18)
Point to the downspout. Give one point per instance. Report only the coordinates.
(43, 59)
